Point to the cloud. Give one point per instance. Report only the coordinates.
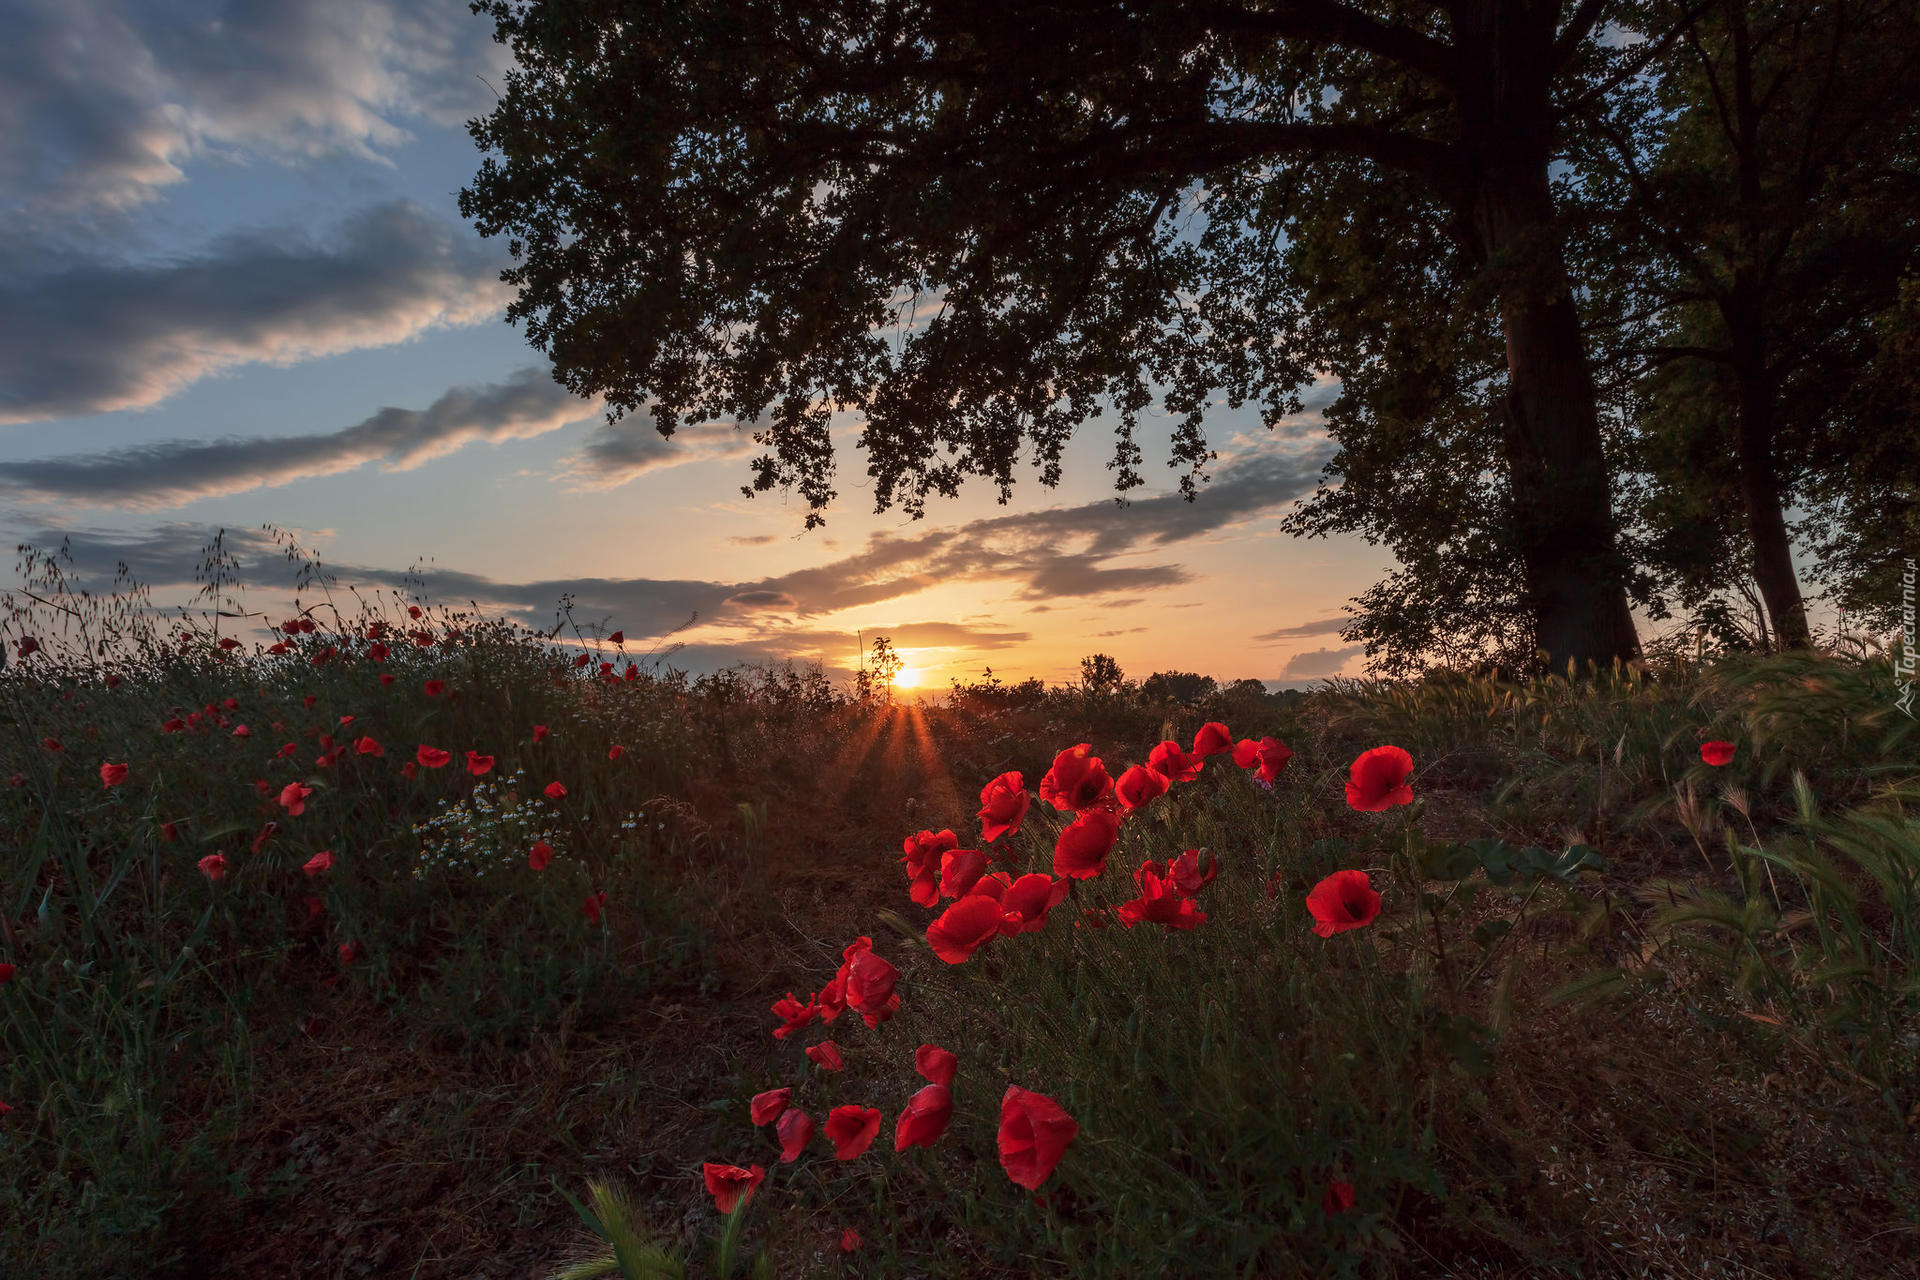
(96, 337)
(630, 448)
(175, 472)
(1319, 662)
(764, 600)
(103, 102)
(1057, 552)
(751, 540)
(1306, 630)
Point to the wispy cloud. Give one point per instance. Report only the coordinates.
(174, 472)
(90, 337)
(1058, 552)
(1306, 630)
(102, 102)
(626, 450)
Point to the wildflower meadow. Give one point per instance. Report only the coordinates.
(412, 943)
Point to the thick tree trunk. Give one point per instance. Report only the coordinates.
(1562, 501)
(1760, 487)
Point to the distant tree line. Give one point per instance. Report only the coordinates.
(1623, 295)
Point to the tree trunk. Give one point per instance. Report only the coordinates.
(1562, 501)
(1760, 486)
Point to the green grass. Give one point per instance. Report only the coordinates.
(1622, 1012)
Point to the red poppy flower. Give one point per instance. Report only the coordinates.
(935, 1065)
(323, 657)
(1344, 900)
(768, 1106)
(112, 775)
(422, 639)
(265, 833)
(1212, 739)
(413, 611)
(606, 671)
(730, 1184)
(368, 747)
(308, 700)
(924, 1119)
(432, 757)
(1003, 806)
(794, 1016)
(407, 771)
(287, 749)
(539, 733)
(52, 744)
(851, 1130)
(540, 855)
(241, 731)
(592, 907)
(1717, 753)
(280, 646)
(6, 974)
(556, 791)
(618, 637)
(849, 1240)
(386, 678)
(632, 672)
(1025, 903)
(351, 952)
(27, 647)
(924, 850)
(213, 867)
(831, 999)
(826, 1055)
(1160, 902)
(434, 688)
(478, 764)
(315, 907)
(959, 869)
(170, 833)
(378, 652)
(376, 629)
(964, 927)
(616, 751)
(1137, 786)
(319, 862)
(1378, 780)
(869, 983)
(1081, 852)
(293, 798)
(1171, 761)
(1339, 1197)
(229, 643)
(1034, 1133)
(1270, 754)
(1077, 780)
(795, 1131)
(582, 661)
(174, 725)
(1184, 872)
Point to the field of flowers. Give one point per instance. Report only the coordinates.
(415, 944)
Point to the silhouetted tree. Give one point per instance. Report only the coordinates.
(715, 205)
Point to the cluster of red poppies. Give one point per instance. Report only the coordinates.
(293, 796)
(986, 904)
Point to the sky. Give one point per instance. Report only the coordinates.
(236, 289)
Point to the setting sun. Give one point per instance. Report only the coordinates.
(908, 678)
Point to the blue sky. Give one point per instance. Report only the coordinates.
(235, 288)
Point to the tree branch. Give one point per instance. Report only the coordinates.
(1322, 21)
